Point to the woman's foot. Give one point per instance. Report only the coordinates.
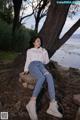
(53, 110)
(31, 108)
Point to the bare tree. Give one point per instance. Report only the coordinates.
(74, 8)
(39, 10)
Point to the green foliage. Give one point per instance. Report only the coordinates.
(19, 42)
(8, 56)
(5, 36)
(21, 38)
(6, 10)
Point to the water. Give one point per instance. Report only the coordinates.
(69, 54)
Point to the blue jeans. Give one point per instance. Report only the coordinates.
(38, 70)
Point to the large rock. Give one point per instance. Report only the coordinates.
(27, 80)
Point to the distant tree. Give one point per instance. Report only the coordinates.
(6, 9)
(74, 8)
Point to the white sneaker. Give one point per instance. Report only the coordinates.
(31, 108)
(53, 110)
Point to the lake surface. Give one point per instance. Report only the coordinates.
(69, 54)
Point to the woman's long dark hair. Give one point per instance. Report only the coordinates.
(33, 39)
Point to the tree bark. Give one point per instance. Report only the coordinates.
(37, 24)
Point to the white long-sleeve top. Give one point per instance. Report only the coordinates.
(36, 54)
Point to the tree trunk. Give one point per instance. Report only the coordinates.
(39, 16)
(53, 25)
(37, 24)
(17, 7)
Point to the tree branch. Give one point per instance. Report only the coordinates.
(70, 32)
(59, 42)
(26, 16)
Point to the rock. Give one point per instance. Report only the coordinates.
(27, 80)
(25, 85)
(17, 105)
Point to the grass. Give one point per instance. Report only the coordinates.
(8, 56)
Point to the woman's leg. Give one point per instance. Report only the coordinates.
(50, 81)
(51, 88)
(53, 107)
(31, 106)
(35, 71)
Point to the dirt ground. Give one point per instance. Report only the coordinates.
(13, 97)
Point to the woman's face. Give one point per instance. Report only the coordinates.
(37, 43)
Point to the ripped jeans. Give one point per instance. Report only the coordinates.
(38, 70)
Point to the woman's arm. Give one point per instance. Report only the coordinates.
(46, 57)
(27, 62)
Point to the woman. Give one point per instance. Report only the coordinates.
(37, 57)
